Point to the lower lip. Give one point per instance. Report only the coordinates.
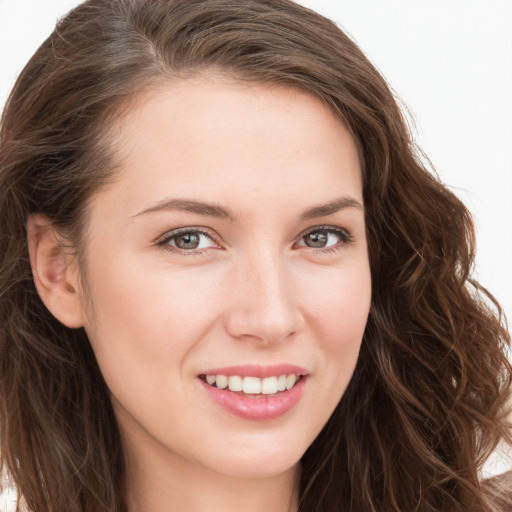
(259, 407)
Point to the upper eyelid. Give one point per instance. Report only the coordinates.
(336, 229)
(345, 238)
(217, 239)
(192, 229)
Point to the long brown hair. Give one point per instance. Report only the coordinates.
(426, 404)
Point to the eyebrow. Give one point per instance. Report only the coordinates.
(337, 205)
(186, 205)
(214, 210)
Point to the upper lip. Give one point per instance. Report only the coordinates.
(255, 370)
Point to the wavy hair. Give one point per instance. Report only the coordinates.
(426, 404)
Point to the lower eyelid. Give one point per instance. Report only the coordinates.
(164, 242)
(344, 236)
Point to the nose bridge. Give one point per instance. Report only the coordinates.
(265, 305)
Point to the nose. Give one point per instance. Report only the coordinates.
(264, 305)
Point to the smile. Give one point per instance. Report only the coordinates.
(253, 385)
(254, 392)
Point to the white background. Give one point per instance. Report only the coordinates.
(449, 60)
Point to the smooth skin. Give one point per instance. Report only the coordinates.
(233, 234)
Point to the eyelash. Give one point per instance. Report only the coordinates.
(163, 242)
(344, 236)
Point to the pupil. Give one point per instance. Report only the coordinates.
(316, 239)
(188, 241)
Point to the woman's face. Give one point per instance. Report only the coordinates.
(230, 248)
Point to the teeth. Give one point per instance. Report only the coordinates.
(221, 381)
(253, 385)
(290, 381)
(269, 385)
(235, 383)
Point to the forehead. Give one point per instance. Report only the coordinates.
(217, 135)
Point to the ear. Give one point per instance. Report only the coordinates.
(55, 271)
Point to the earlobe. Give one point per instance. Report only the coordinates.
(55, 272)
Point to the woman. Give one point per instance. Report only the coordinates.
(227, 281)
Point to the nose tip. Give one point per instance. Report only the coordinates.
(265, 306)
(264, 324)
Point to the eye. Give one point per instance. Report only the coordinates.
(324, 238)
(187, 240)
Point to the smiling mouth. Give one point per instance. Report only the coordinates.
(253, 386)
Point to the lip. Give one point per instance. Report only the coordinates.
(256, 408)
(255, 370)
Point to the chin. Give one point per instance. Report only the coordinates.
(260, 460)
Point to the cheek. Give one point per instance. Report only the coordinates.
(339, 302)
(147, 318)
(145, 326)
(338, 312)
